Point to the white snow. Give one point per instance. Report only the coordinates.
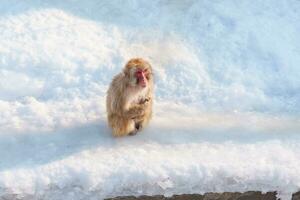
(227, 105)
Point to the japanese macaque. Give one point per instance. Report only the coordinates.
(129, 98)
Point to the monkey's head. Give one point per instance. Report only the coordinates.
(138, 72)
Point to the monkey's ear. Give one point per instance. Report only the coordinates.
(126, 71)
(123, 74)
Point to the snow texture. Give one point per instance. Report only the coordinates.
(227, 105)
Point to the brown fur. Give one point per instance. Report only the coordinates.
(129, 106)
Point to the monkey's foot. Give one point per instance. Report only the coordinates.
(137, 126)
(132, 133)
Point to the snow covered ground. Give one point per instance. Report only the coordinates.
(227, 109)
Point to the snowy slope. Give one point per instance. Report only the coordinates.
(227, 109)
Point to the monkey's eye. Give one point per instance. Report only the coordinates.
(147, 76)
(138, 73)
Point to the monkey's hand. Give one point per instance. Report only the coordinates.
(144, 101)
(135, 111)
(139, 118)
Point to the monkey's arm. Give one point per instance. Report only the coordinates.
(118, 107)
(135, 111)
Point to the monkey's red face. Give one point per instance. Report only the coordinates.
(141, 76)
(138, 75)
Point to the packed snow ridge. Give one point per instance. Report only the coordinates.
(227, 100)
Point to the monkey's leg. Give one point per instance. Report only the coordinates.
(145, 120)
(139, 124)
(125, 125)
(138, 121)
(121, 126)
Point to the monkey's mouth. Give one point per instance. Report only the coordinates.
(142, 82)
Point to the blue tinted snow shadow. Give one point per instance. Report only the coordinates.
(37, 148)
(25, 150)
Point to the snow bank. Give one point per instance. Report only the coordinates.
(227, 97)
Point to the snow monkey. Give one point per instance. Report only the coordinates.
(129, 98)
